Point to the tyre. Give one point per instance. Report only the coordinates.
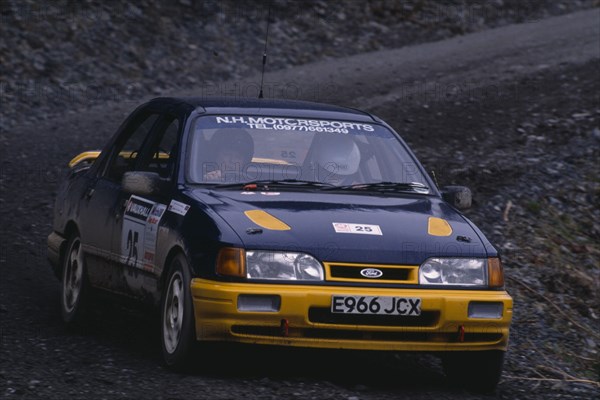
(178, 332)
(478, 371)
(74, 288)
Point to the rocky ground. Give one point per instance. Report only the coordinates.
(531, 158)
(526, 143)
(56, 54)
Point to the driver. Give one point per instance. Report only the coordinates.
(232, 150)
(337, 159)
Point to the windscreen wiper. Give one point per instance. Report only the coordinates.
(258, 184)
(387, 186)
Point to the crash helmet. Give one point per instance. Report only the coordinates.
(238, 140)
(338, 154)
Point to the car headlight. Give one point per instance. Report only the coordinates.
(454, 271)
(275, 265)
(282, 266)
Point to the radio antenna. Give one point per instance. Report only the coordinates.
(264, 59)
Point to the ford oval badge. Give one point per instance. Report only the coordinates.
(371, 273)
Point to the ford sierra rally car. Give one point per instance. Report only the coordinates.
(281, 223)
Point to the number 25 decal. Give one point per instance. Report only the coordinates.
(288, 154)
(132, 241)
(363, 228)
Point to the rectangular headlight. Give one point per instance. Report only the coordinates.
(453, 271)
(285, 266)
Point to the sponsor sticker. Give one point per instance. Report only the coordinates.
(361, 229)
(139, 233)
(150, 235)
(295, 124)
(270, 193)
(178, 207)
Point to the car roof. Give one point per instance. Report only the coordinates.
(256, 106)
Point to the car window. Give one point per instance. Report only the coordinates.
(125, 152)
(162, 155)
(246, 148)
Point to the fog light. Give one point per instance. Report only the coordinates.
(259, 303)
(480, 309)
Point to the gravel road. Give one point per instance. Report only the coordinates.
(514, 112)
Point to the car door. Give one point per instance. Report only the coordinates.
(137, 223)
(101, 198)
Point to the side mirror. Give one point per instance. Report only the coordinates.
(142, 183)
(458, 196)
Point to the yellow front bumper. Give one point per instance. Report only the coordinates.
(304, 319)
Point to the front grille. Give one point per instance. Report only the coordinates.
(396, 274)
(346, 272)
(325, 316)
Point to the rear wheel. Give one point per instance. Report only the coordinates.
(177, 316)
(74, 289)
(474, 370)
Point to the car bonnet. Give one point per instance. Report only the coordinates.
(346, 227)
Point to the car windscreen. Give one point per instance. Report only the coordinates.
(241, 148)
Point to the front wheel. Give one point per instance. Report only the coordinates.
(74, 289)
(474, 370)
(177, 316)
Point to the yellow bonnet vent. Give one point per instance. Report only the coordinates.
(438, 227)
(266, 220)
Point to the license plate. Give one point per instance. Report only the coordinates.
(385, 305)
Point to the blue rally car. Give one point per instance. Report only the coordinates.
(280, 223)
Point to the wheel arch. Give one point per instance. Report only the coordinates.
(173, 252)
(182, 355)
(71, 228)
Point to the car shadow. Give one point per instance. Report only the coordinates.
(136, 331)
(352, 369)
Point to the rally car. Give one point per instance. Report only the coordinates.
(280, 223)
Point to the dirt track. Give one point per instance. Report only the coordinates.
(444, 97)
